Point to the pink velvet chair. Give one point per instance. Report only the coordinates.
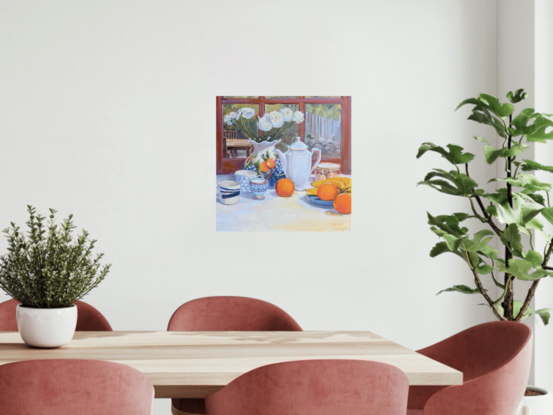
(495, 360)
(314, 387)
(73, 387)
(88, 318)
(225, 314)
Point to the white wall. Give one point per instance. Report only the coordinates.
(107, 111)
(544, 155)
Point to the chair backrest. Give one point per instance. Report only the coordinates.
(230, 134)
(88, 318)
(231, 314)
(314, 387)
(482, 348)
(70, 387)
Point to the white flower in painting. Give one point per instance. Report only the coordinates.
(247, 113)
(229, 117)
(277, 119)
(298, 117)
(287, 113)
(265, 123)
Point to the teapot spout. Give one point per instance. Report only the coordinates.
(283, 161)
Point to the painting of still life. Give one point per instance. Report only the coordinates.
(283, 163)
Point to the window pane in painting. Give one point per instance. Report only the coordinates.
(236, 141)
(323, 128)
(292, 133)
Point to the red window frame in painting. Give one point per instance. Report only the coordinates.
(230, 165)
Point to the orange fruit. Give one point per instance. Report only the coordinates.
(327, 191)
(285, 188)
(342, 203)
(271, 163)
(264, 168)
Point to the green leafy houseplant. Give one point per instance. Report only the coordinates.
(47, 268)
(511, 214)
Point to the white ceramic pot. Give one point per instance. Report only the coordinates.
(536, 405)
(46, 327)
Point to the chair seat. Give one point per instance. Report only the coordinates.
(414, 412)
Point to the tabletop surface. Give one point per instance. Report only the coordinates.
(238, 142)
(195, 364)
(275, 213)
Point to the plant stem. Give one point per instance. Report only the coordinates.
(509, 294)
(534, 286)
(488, 217)
(482, 290)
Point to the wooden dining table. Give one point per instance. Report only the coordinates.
(195, 364)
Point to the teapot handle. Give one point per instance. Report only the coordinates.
(318, 159)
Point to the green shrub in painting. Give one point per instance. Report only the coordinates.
(47, 268)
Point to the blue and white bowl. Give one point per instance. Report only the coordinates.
(244, 177)
(228, 192)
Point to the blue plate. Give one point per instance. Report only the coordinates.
(316, 201)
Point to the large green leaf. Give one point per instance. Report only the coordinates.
(535, 258)
(491, 153)
(455, 154)
(543, 312)
(548, 214)
(535, 126)
(520, 268)
(522, 213)
(456, 184)
(516, 96)
(493, 104)
(511, 238)
(531, 165)
(461, 289)
(488, 110)
(448, 224)
(441, 248)
(483, 116)
(527, 181)
(464, 183)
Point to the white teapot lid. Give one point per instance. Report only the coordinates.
(298, 145)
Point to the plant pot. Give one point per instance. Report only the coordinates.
(46, 327)
(536, 405)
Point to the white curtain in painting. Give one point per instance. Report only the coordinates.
(323, 130)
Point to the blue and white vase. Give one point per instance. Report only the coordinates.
(264, 159)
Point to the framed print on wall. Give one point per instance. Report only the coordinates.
(283, 163)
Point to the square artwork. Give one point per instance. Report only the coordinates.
(283, 163)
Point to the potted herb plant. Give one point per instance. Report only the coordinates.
(512, 214)
(47, 270)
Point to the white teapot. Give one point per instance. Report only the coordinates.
(296, 163)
